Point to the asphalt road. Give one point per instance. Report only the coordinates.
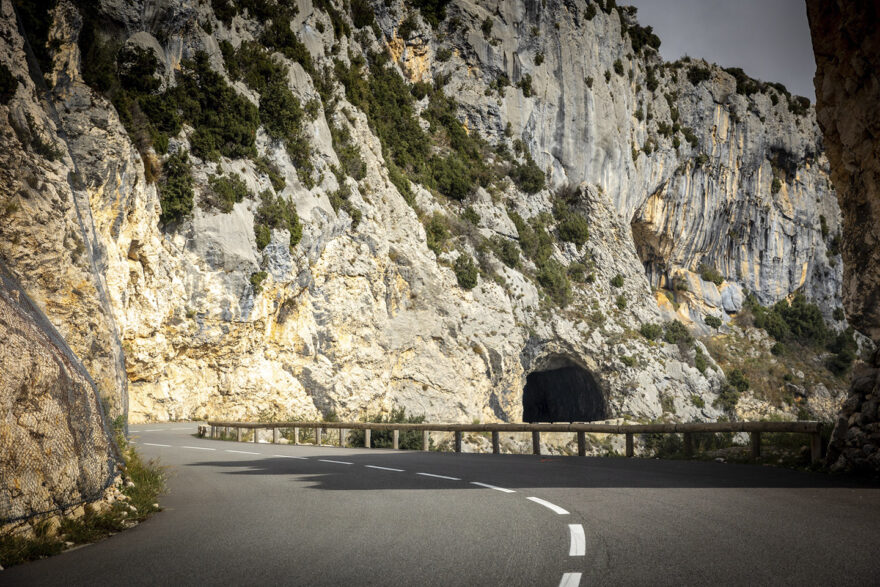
(303, 515)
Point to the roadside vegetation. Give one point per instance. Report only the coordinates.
(143, 483)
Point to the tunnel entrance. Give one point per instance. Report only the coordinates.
(567, 394)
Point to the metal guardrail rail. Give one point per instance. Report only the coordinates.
(687, 430)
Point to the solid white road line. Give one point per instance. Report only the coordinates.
(439, 476)
(549, 505)
(290, 457)
(578, 540)
(384, 468)
(150, 430)
(242, 452)
(162, 445)
(570, 580)
(495, 487)
(198, 448)
(337, 462)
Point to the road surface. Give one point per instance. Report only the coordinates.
(244, 513)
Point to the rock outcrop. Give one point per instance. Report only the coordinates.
(846, 43)
(674, 167)
(55, 448)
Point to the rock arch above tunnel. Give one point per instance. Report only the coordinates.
(565, 394)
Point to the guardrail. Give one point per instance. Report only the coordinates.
(687, 430)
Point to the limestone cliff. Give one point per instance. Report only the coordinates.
(846, 43)
(673, 169)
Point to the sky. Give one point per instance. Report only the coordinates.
(769, 39)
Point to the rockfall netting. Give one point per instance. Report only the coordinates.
(56, 450)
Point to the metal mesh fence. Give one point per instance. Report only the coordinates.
(56, 449)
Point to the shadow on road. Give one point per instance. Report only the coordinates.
(524, 472)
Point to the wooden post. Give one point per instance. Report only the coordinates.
(274, 435)
(815, 447)
(458, 441)
(582, 444)
(226, 433)
(756, 445)
(426, 440)
(395, 442)
(630, 451)
(688, 445)
(367, 438)
(213, 432)
(295, 435)
(317, 437)
(256, 434)
(342, 438)
(238, 433)
(536, 442)
(496, 447)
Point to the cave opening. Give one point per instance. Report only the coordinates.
(565, 394)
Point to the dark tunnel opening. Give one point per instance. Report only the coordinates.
(567, 394)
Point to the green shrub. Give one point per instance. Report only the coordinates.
(348, 152)
(471, 216)
(269, 169)
(628, 361)
(486, 26)
(775, 186)
(276, 213)
(618, 67)
(444, 54)
(697, 74)
(677, 333)
(798, 105)
(257, 280)
(465, 271)
(361, 13)
(8, 84)
(651, 331)
(700, 361)
(737, 380)
(698, 401)
(844, 347)
(727, 398)
(709, 273)
(838, 314)
(408, 27)
(617, 280)
(574, 228)
(408, 439)
(437, 232)
(577, 272)
(225, 192)
(823, 225)
(620, 302)
(506, 250)
(528, 176)
(452, 176)
(525, 84)
(712, 321)
(778, 349)
(278, 36)
(539, 59)
(176, 188)
(552, 277)
(690, 136)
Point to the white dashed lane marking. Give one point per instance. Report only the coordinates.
(384, 468)
(578, 540)
(242, 452)
(495, 487)
(548, 505)
(290, 457)
(336, 462)
(162, 445)
(439, 476)
(198, 448)
(570, 580)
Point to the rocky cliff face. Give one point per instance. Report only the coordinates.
(847, 47)
(56, 449)
(672, 166)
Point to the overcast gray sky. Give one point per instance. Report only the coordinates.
(769, 39)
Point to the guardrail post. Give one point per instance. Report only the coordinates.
(688, 445)
(274, 435)
(395, 442)
(496, 448)
(816, 446)
(582, 444)
(342, 433)
(256, 435)
(630, 451)
(213, 432)
(317, 437)
(238, 433)
(226, 433)
(458, 441)
(295, 435)
(756, 445)
(426, 440)
(536, 442)
(367, 434)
